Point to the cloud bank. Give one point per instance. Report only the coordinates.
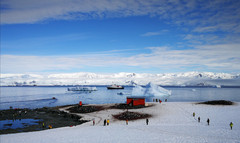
(211, 29)
(205, 16)
(214, 57)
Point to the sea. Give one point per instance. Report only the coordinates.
(50, 96)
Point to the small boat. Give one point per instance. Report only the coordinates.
(114, 86)
(82, 89)
(123, 93)
(120, 93)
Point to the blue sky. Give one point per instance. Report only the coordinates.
(104, 36)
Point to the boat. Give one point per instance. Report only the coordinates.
(123, 93)
(114, 86)
(78, 88)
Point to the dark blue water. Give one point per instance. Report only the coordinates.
(14, 124)
(36, 97)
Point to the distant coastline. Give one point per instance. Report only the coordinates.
(168, 86)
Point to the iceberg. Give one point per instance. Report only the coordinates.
(150, 90)
(82, 89)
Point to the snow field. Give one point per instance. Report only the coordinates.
(171, 122)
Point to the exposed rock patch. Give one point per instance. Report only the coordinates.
(85, 109)
(131, 116)
(217, 102)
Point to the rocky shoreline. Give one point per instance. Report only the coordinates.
(47, 117)
(55, 117)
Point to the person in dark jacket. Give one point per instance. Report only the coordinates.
(198, 119)
(147, 121)
(105, 122)
(208, 121)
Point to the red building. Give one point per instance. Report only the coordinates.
(136, 101)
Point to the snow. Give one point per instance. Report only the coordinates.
(86, 78)
(171, 122)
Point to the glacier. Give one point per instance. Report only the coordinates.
(123, 78)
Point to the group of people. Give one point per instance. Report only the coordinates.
(49, 126)
(159, 100)
(208, 121)
(106, 122)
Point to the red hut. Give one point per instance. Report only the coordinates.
(136, 101)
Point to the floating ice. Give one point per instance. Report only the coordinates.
(150, 90)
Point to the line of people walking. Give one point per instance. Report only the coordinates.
(107, 121)
(208, 121)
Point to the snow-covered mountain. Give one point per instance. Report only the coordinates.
(85, 78)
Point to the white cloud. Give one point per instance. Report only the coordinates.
(209, 57)
(203, 16)
(205, 29)
(148, 34)
(32, 11)
(151, 34)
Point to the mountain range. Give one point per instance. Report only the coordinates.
(123, 78)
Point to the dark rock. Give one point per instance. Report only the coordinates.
(217, 102)
(85, 109)
(131, 116)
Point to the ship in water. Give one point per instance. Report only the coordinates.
(114, 86)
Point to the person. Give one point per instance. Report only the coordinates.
(80, 103)
(160, 101)
(93, 122)
(147, 121)
(108, 121)
(193, 114)
(208, 121)
(127, 122)
(198, 119)
(43, 125)
(231, 125)
(50, 126)
(105, 122)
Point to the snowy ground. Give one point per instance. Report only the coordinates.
(171, 122)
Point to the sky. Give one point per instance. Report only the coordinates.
(109, 36)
